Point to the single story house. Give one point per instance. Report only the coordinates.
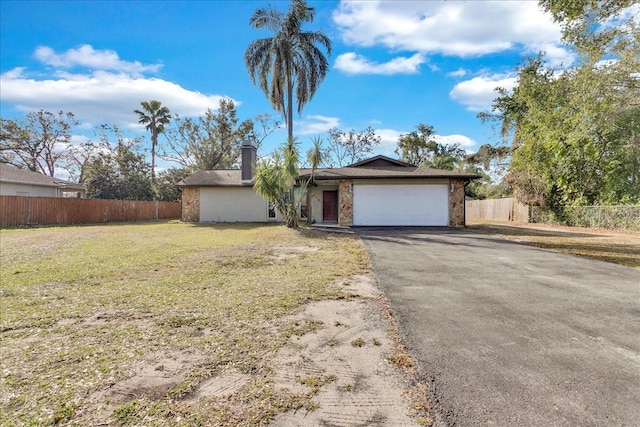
(22, 182)
(378, 191)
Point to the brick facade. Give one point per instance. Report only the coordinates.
(191, 204)
(345, 202)
(456, 203)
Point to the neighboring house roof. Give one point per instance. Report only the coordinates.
(214, 178)
(372, 168)
(9, 173)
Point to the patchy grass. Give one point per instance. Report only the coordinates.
(620, 247)
(122, 324)
(358, 342)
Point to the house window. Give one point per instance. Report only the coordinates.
(304, 210)
(271, 210)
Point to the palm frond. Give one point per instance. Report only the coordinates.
(292, 58)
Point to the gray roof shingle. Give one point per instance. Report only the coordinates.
(214, 178)
(232, 177)
(9, 173)
(392, 172)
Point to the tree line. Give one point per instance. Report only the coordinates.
(112, 164)
(569, 136)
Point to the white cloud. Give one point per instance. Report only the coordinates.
(87, 56)
(463, 29)
(352, 63)
(460, 72)
(388, 141)
(315, 124)
(461, 140)
(102, 88)
(478, 93)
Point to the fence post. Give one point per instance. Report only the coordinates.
(29, 212)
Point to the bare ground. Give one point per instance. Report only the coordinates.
(350, 357)
(347, 363)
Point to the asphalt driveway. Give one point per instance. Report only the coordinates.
(512, 335)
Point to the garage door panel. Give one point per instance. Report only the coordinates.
(401, 205)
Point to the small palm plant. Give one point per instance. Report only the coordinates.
(276, 179)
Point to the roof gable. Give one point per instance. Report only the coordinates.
(380, 162)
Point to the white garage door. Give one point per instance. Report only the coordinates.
(401, 204)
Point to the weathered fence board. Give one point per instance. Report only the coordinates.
(20, 211)
(506, 209)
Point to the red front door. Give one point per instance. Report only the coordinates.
(330, 205)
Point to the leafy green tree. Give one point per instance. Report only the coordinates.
(38, 142)
(263, 126)
(119, 169)
(574, 135)
(276, 180)
(347, 147)
(422, 149)
(166, 184)
(414, 147)
(491, 163)
(212, 141)
(595, 27)
(292, 58)
(155, 117)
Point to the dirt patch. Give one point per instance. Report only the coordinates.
(284, 252)
(221, 386)
(345, 363)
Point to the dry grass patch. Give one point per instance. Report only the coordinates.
(124, 324)
(620, 247)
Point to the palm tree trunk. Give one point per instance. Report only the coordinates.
(154, 142)
(289, 104)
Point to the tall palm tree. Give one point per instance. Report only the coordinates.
(291, 58)
(155, 116)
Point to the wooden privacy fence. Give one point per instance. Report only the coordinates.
(20, 211)
(507, 209)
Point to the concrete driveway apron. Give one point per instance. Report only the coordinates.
(512, 335)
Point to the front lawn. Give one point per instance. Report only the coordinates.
(122, 324)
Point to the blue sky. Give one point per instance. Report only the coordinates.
(395, 64)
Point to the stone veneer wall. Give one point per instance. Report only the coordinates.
(456, 203)
(191, 204)
(345, 202)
